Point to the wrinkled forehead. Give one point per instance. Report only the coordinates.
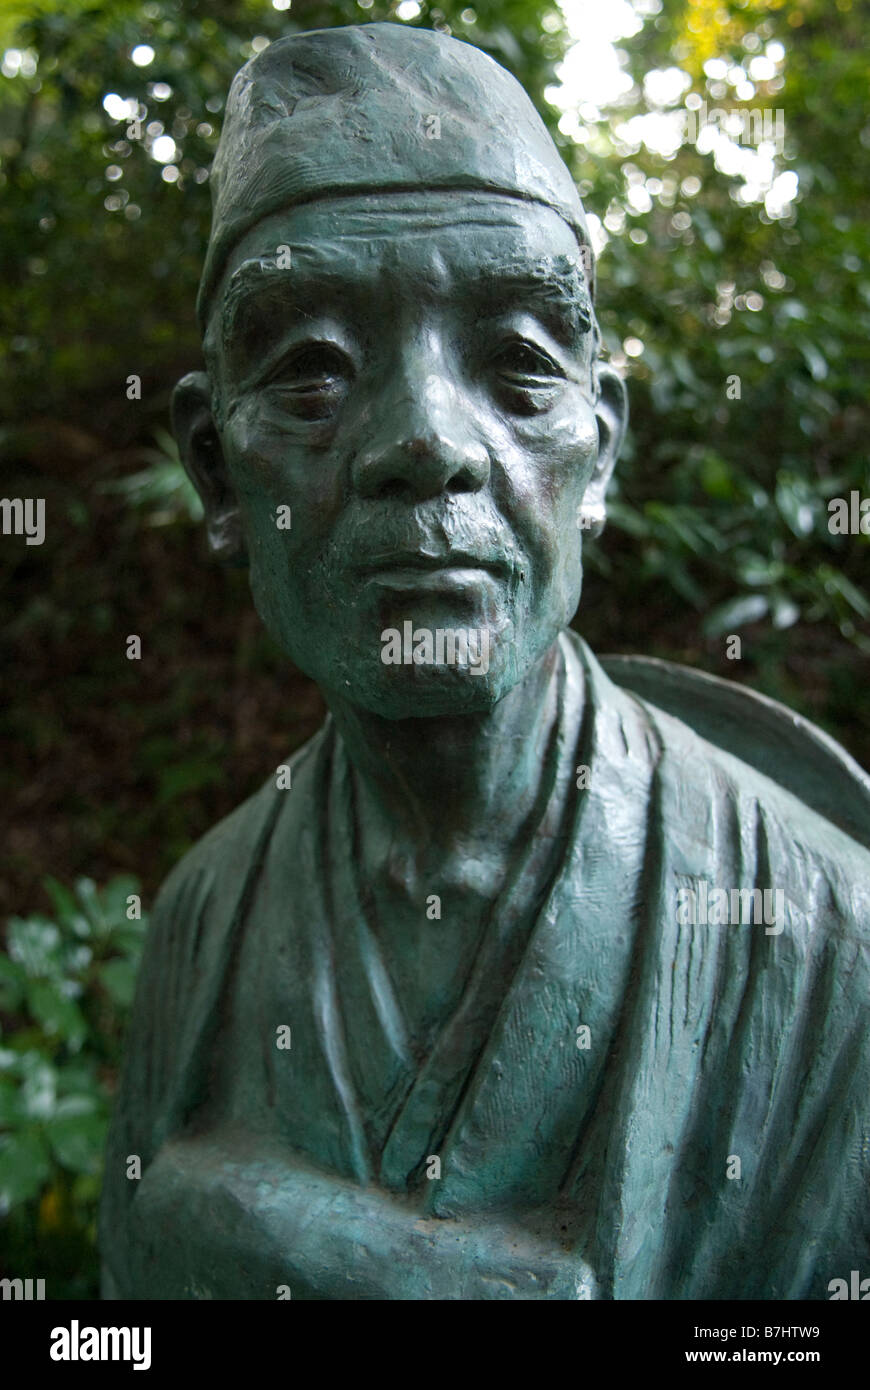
(448, 244)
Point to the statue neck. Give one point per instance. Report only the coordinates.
(453, 786)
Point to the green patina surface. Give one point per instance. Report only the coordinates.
(422, 1019)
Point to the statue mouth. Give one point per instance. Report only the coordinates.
(411, 570)
(416, 562)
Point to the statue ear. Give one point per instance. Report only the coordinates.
(201, 453)
(611, 412)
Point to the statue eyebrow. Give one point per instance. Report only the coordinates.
(560, 295)
(253, 276)
(558, 291)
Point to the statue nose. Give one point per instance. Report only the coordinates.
(426, 445)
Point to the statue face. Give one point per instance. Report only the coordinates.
(413, 377)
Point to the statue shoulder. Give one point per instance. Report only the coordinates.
(227, 854)
(762, 734)
(750, 798)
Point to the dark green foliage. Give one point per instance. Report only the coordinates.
(66, 986)
(726, 500)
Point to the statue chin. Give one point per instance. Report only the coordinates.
(425, 673)
(420, 692)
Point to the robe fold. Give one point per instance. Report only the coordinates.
(624, 1104)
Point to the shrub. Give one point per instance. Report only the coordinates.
(66, 987)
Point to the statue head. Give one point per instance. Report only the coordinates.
(403, 416)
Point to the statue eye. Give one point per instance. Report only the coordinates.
(312, 380)
(521, 367)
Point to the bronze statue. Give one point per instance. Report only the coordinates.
(529, 976)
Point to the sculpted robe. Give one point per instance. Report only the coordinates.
(566, 1171)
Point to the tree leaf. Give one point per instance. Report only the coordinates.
(24, 1167)
(736, 613)
(77, 1140)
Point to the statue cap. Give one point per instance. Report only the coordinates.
(345, 111)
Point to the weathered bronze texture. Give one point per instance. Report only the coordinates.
(530, 976)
